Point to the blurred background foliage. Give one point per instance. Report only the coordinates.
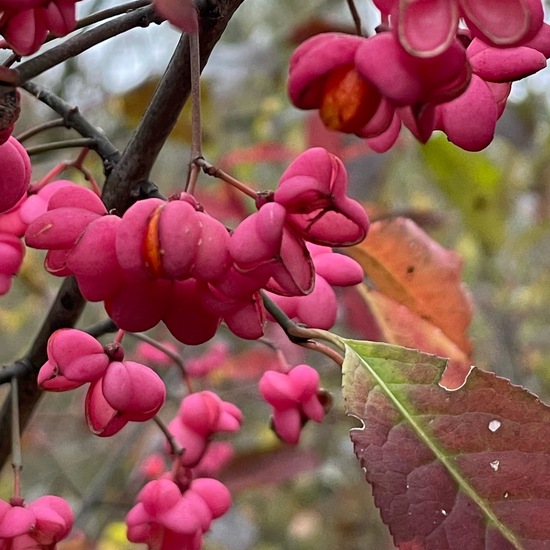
(492, 207)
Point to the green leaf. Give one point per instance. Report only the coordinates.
(474, 185)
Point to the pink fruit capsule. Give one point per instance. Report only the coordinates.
(15, 173)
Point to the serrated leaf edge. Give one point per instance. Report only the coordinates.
(462, 482)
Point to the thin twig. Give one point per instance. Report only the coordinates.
(176, 449)
(218, 173)
(16, 458)
(55, 123)
(110, 12)
(74, 46)
(196, 125)
(196, 130)
(301, 335)
(56, 145)
(356, 17)
(152, 342)
(74, 119)
(18, 369)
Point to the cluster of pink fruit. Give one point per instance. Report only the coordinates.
(200, 416)
(169, 516)
(295, 397)
(32, 203)
(37, 526)
(170, 261)
(175, 510)
(116, 393)
(15, 176)
(422, 71)
(25, 24)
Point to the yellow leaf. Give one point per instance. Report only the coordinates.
(134, 103)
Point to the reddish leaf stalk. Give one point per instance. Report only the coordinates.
(196, 124)
(218, 173)
(174, 356)
(176, 449)
(326, 350)
(60, 167)
(196, 127)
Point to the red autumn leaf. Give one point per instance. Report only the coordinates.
(466, 469)
(401, 326)
(411, 268)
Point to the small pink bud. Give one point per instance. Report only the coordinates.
(14, 173)
(133, 389)
(214, 493)
(54, 519)
(295, 399)
(17, 521)
(313, 191)
(12, 252)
